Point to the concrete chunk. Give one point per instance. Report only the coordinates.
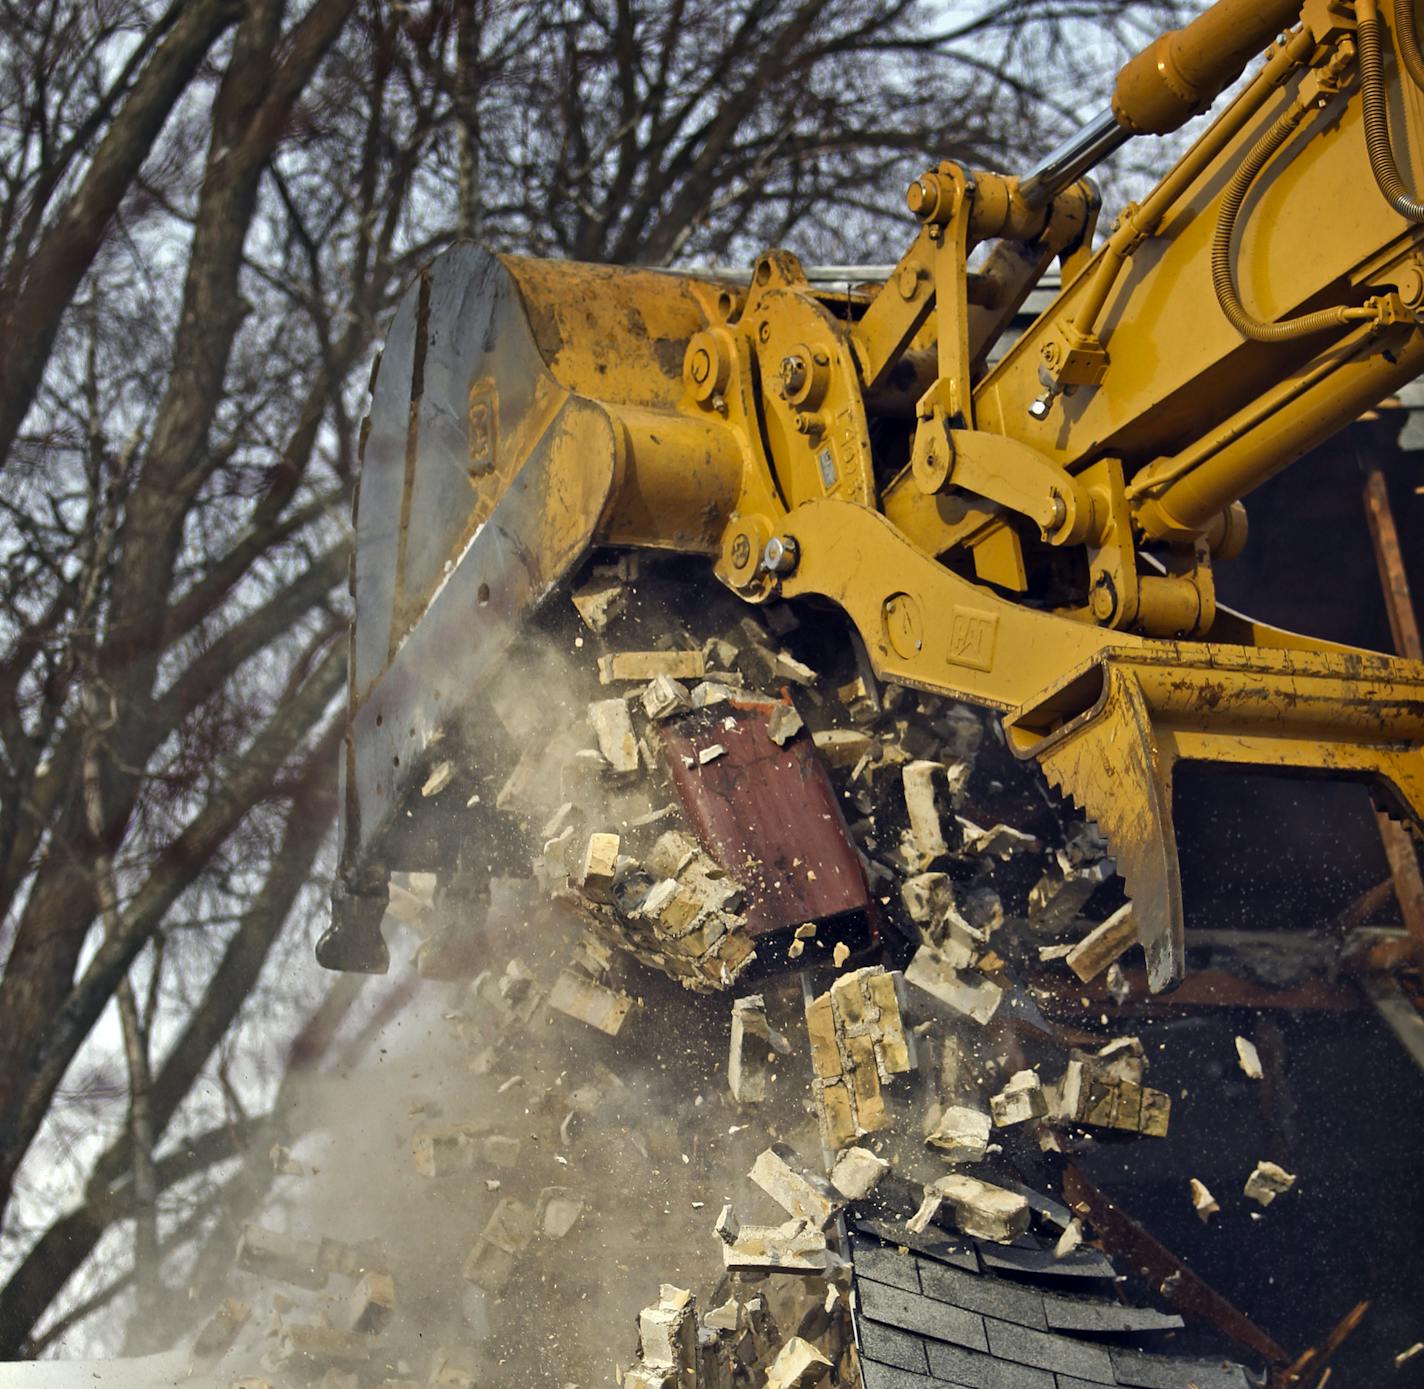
(970, 994)
(962, 1134)
(1249, 1058)
(316, 1345)
(858, 1043)
(558, 1211)
(507, 1233)
(798, 1365)
(999, 841)
(613, 727)
(449, 1372)
(1103, 944)
(274, 1255)
(1087, 1096)
(925, 837)
(599, 867)
(857, 1172)
(1019, 1101)
(749, 1057)
(600, 599)
(787, 667)
(594, 1004)
(1063, 891)
(981, 1209)
(783, 725)
(372, 1303)
(664, 697)
(649, 665)
(795, 1247)
(799, 1191)
(1267, 1182)
(667, 1331)
(1203, 1202)
(843, 747)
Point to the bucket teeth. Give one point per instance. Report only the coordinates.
(1110, 768)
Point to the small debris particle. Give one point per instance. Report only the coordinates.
(1203, 1202)
(438, 779)
(1267, 1182)
(1249, 1058)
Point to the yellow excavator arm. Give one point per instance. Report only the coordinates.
(1037, 536)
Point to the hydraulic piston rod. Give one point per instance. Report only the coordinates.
(1175, 78)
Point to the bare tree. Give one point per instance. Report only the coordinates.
(654, 131)
(206, 210)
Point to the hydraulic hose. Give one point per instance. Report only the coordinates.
(1241, 319)
(1376, 112)
(1406, 34)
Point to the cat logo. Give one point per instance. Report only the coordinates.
(971, 638)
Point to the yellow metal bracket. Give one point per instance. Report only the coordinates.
(1110, 734)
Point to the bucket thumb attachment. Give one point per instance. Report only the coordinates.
(1141, 711)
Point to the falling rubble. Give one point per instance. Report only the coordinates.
(616, 1179)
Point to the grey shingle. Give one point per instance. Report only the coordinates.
(911, 1312)
(935, 1243)
(995, 1297)
(1154, 1372)
(1068, 1382)
(878, 1376)
(1039, 1261)
(1080, 1314)
(959, 1366)
(1048, 1352)
(885, 1264)
(893, 1346)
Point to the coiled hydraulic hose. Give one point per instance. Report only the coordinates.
(1406, 34)
(1373, 97)
(1221, 278)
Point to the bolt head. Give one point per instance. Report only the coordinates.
(741, 551)
(793, 374)
(1039, 408)
(780, 555)
(701, 365)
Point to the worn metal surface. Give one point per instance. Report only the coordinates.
(769, 815)
(527, 411)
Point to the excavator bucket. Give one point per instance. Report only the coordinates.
(527, 413)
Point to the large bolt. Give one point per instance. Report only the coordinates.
(741, 551)
(793, 374)
(1104, 600)
(701, 365)
(780, 555)
(1038, 409)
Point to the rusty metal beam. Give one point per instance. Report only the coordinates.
(1151, 1260)
(1389, 555)
(1203, 988)
(1404, 626)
